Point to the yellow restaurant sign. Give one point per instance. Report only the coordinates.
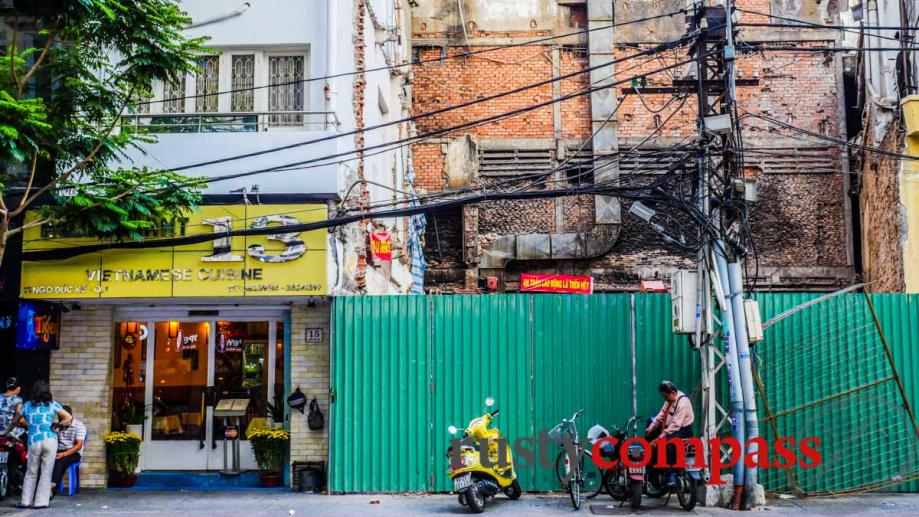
(278, 264)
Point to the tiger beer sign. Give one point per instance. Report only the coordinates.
(276, 264)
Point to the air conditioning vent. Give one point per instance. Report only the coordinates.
(654, 161)
(514, 162)
(578, 168)
(793, 160)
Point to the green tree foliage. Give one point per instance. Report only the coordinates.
(61, 98)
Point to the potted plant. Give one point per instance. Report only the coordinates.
(123, 453)
(270, 447)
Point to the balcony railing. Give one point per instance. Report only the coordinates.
(230, 122)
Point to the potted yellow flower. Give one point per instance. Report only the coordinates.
(270, 447)
(123, 453)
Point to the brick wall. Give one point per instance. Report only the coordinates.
(81, 378)
(882, 252)
(796, 87)
(309, 369)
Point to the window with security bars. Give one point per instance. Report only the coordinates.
(174, 97)
(285, 91)
(242, 81)
(206, 84)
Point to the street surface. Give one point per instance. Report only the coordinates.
(285, 504)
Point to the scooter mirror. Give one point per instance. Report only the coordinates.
(452, 429)
(489, 402)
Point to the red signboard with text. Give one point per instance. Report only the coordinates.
(381, 246)
(556, 283)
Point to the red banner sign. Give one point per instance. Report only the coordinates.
(381, 246)
(556, 283)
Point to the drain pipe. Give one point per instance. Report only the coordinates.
(722, 286)
(745, 366)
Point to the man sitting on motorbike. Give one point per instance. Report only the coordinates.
(673, 421)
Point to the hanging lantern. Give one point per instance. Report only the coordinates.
(131, 327)
(173, 330)
(123, 329)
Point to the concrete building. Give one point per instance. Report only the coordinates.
(885, 115)
(801, 221)
(154, 339)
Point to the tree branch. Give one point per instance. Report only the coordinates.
(27, 201)
(28, 189)
(20, 85)
(33, 224)
(14, 51)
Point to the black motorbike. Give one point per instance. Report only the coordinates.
(652, 480)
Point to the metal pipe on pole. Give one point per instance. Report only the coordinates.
(745, 367)
(722, 287)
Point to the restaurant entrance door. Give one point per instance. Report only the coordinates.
(170, 373)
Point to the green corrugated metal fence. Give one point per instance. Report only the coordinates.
(405, 368)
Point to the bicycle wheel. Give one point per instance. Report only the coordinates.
(591, 476)
(562, 469)
(575, 493)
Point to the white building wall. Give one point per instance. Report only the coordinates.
(325, 31)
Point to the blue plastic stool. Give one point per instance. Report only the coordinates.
(73, 480)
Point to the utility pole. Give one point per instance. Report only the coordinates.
(719, 172)
(719, 192)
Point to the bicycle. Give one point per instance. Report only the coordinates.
(576, 477)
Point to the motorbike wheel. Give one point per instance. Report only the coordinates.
(3, 481)
(615, 490)
(635, 494)
(475, 499)
(687, 493)
(656, 488)
(513, 492)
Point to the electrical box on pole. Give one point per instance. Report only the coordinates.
(684, 298)
(754, 321)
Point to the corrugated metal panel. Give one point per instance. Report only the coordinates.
(899, 316)
(582, 360)
(826, 375)
(661, 354)
(381, 415)
(481, 348)
(543, 356)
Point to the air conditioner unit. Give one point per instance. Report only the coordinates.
(683, 298)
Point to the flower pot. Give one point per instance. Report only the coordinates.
(119, 480)
(271, 479)
(137, 429)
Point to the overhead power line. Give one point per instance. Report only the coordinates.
(469, 53)
(606, 190)
(658, 48)
(837, 141)
(450, 129)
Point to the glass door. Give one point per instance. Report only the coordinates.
(169, 375)
(245, 360)
(177, 396)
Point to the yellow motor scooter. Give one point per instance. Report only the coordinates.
(474, 480)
